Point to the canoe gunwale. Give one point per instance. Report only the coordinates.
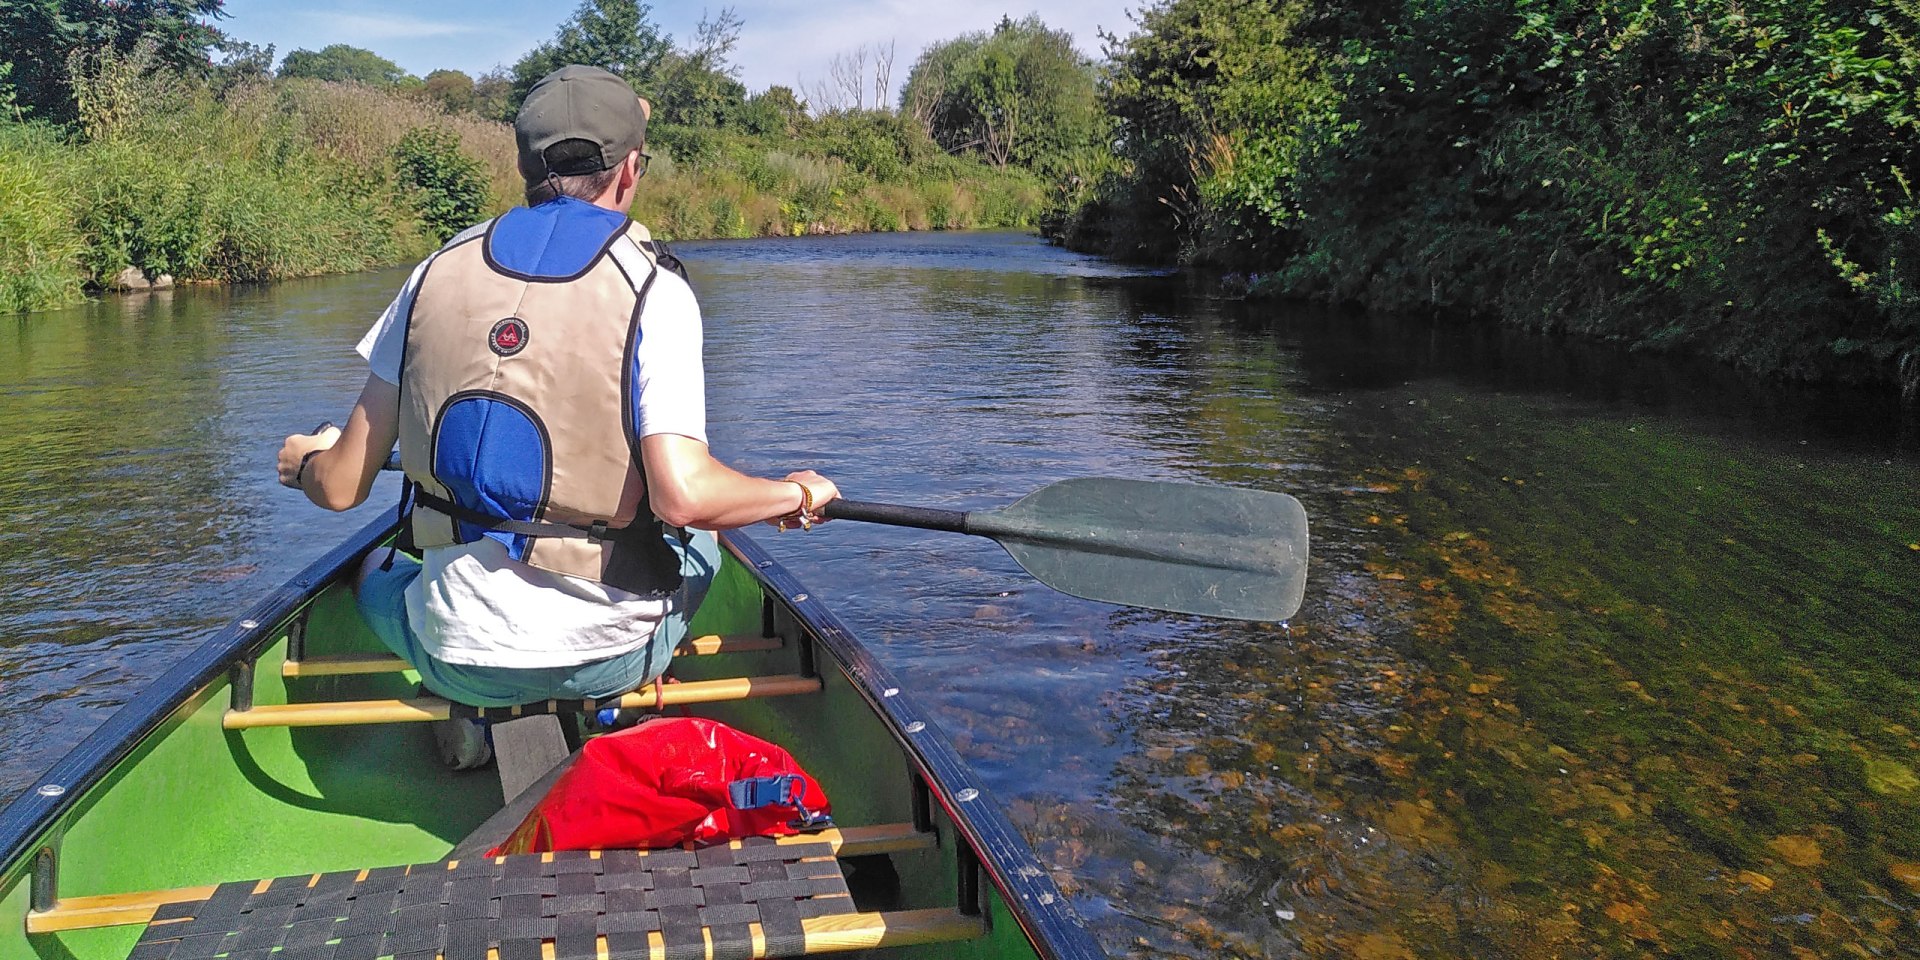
(1025, 885)
(25, 822)
(33, 819)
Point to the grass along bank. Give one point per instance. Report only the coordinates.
(266, 180)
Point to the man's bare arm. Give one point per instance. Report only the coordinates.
(339, 476)
(689, 488)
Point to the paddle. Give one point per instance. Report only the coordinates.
(1185, 548)
(1180, 547)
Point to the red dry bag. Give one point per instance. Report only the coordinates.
(668, 782)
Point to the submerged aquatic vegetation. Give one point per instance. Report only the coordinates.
(1568, 683)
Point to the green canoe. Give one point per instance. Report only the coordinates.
(272, 797)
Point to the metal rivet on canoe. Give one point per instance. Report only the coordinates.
(249, 624)
(890, 692)
(967, 794)
(916, 726)
(798, 597)
(766, 563)
(51, 790)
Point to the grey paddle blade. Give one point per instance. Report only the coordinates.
(1185, 548)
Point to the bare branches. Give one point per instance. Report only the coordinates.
(882, 73)
(845, 87)
(714, 40)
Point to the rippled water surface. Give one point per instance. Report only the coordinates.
(1599, 657)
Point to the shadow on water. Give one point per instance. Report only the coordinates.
(1344, 352)
(1603, 655)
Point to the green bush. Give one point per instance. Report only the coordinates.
(40, 250)
(447, 184)
(691, 146)
(145, 210)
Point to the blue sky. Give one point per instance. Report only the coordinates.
(785, 41)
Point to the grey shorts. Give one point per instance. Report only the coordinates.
(382, 598)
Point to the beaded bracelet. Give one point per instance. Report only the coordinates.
(804, 515)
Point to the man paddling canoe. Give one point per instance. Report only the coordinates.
(542, 376)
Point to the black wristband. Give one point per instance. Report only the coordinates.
(300, 475)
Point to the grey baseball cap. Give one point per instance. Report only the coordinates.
(578, 120)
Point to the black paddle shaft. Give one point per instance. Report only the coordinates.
(892, 514)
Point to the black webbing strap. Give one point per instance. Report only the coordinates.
(403, 538)
(597, 531)
(695, 901)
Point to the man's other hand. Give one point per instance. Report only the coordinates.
(296, 448)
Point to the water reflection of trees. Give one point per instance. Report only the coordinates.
(134, 445)
(1568, 683)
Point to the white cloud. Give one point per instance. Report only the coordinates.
(374, 27)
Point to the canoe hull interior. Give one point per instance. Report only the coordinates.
(189, 802)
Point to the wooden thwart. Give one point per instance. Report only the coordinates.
(119, 909)
(423, 709)
(354, 664)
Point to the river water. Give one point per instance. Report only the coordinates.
(1601, 656)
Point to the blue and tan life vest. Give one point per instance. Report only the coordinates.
(519, 406)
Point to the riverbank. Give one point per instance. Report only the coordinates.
(1670, 176)
(271, 180)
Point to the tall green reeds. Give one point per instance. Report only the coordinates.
(261, 182)
(274, 179)
(39, 249)
(777, 193)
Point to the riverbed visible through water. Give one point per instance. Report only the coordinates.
(1601, 656)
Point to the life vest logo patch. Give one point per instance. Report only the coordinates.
(509, 337)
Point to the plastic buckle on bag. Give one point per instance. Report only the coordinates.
(597, 531)
(783, 790)
(752, 793)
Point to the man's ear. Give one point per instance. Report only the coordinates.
(629, 174)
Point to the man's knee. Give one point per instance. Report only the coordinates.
(699, 563)
(369, 565)
(703, 553)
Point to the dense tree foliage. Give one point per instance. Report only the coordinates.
(776, 111)
(493, 95)
(38, 36)
(241, 62)
(693, 86)
(614, 34)
(697, 86)
(1209, 100)
(341, 63)
(1019, 94)
(453, 90)
(1728, 179)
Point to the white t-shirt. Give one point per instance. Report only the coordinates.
(474, 605)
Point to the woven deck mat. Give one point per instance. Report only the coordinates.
(460, 909)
